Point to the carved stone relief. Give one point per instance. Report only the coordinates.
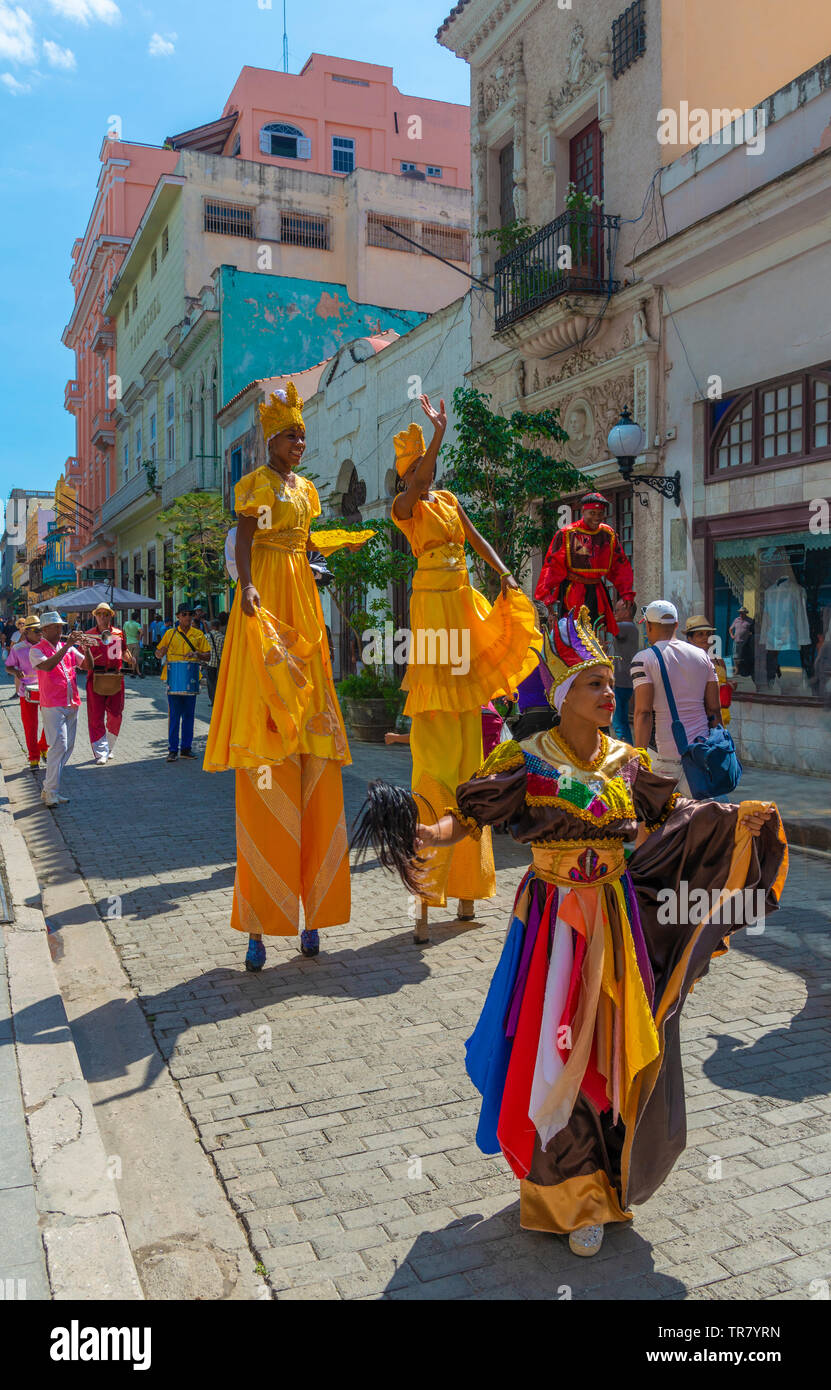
(581, 70)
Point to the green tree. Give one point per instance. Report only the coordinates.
(510, 480)
(198, 524)
(377, 565)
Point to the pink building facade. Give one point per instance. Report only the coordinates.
(128, 175)
(337, 115)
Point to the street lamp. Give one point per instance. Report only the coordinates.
(626, 440)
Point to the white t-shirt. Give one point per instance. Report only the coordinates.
(689, 670)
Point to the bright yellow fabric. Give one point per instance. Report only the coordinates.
(291, 848)
(327, 542)
(261, 713)
(496, 642)
(177, 649)
(447, 749)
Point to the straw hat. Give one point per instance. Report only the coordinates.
(104, 608)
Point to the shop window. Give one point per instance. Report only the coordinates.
(772, 425)
(772, 611)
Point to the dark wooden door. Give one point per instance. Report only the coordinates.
(507, 213)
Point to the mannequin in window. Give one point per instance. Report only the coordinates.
(784, 622)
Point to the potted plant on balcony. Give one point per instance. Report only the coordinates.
(371, 699)
(582, 209)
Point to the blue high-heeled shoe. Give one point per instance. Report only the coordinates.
(255, 959)
(309, 943)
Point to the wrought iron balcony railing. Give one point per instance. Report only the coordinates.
(572, 255)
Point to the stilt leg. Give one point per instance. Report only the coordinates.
(421, 933)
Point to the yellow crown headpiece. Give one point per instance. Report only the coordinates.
(409, 446)
(284, 409)
(572, 646)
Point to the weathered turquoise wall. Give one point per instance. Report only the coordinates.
(272, 325)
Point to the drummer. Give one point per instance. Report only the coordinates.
(181, 648)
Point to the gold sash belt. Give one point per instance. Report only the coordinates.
(435, 565)
(281, 540)
(579, 864)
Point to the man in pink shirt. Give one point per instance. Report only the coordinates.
(26, 685)
(59, 699)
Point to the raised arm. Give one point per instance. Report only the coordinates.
(485, 550)
(422, 475)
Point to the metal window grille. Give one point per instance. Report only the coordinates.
(378, 235)
(228, 219)
(451, 242)
(628, 37)
(343, 154)
(304, 229)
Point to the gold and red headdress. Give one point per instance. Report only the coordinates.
(283, 410)
(571, 647)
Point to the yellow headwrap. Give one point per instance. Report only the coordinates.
(409, 446)
(285, 409)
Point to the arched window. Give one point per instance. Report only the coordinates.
(189, 425)
(200, 406)
(284, 141)
(773, 425)
(212, 409)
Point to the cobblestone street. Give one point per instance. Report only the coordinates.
(332, 1096)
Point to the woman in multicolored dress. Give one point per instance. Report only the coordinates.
(576, 1053)
(276, 718)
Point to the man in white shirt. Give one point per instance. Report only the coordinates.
(693, 682)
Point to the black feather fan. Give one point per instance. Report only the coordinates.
(387, 823)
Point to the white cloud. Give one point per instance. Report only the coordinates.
(162, 45)
(58, 57)
(12, 85)
(82, 11)
(17, 35)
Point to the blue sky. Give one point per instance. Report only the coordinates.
(66, 66)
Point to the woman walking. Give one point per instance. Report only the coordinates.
(276, 718)
(576, 1053)
(26, 687)
(478, 653)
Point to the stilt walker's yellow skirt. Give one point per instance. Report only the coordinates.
(276, 720)
(463, 654)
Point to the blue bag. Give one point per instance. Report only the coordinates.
(711, 764)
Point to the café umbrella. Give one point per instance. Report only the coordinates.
(85, 600)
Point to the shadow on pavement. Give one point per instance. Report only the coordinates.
(493, 1258)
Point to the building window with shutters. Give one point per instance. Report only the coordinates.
(585, 152)
(343, 154)
(284, 142)
(154, 263)
(507, 213)
(165, 242)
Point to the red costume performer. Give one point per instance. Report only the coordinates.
(105, 707)
(580, 558)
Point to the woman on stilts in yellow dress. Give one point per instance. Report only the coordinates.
(463, 653)
(276, 718)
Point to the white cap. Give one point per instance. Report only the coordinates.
(661, 611)
(51, 617)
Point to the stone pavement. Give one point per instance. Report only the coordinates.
(331, 1093)
(23, 1266)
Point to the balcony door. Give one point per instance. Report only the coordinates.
(585, 160)
(585, 166)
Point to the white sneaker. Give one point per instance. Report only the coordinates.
(50, 800)
(100, 759)
(586, 1241)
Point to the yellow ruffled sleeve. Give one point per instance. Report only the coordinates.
(327, 542)
(253, 492)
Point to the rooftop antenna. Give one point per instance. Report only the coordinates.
(285, 41)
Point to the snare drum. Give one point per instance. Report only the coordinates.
(183, 677)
